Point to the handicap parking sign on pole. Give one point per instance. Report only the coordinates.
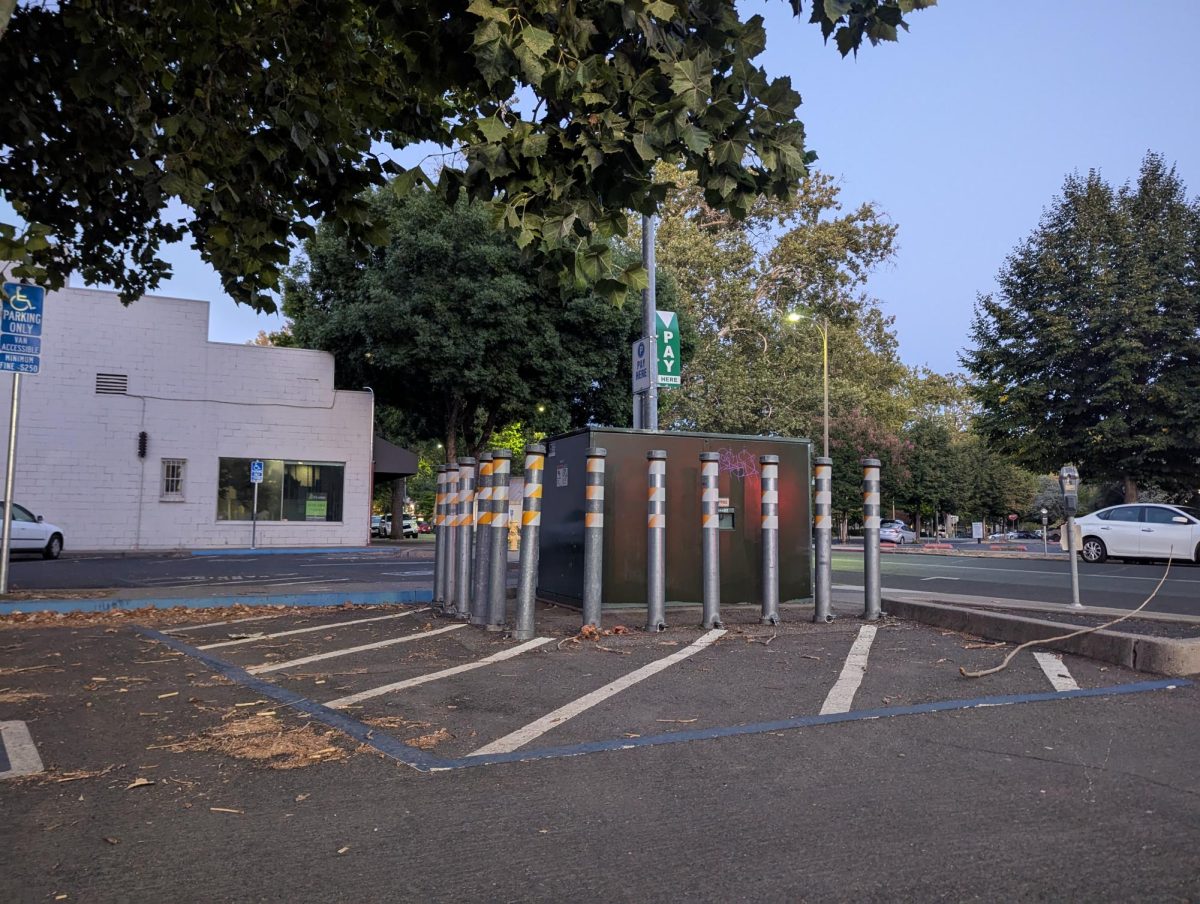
(256, 476)
(256, 471)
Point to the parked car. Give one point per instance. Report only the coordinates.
(409, 527)
(1022, 535)
(31, 534)
(424, 527)
(381, 525)
(1144, 531)
(896, 532)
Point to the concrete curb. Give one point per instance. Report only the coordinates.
(1159, 655)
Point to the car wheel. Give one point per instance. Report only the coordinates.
(54, 548)
(1093, 550)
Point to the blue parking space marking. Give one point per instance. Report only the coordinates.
(424, 761)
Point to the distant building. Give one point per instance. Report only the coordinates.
(138, 433)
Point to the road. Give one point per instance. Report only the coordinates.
(1114, 585)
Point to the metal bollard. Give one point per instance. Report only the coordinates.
(656, 542)
(498, 585)
(870, 492)
(439, 545)
(770, 539)
(462, 537)
(449, 574)
(710, 539)
(823, 528)
(531, 522)
(593, 537)
(481, 577)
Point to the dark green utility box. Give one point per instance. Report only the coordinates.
(560, 570)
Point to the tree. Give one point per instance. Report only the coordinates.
(261, 116)
(455, 332)
(754, 371)
(1090, 352)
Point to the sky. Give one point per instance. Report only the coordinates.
(961, 133)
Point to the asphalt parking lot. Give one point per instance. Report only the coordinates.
(430, 760)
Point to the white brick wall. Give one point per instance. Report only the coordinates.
(77, 462)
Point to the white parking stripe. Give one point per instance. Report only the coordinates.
(214, 624)
(841, 696)
(1056, 670)
(523, 736)
(351, 699)
(22, 755)
(421, 635)
(325, 627)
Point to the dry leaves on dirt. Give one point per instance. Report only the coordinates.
(429, 741)
(264, 739)
(10, 696)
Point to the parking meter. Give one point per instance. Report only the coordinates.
(1068, 479)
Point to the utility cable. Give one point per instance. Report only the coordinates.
(1033, 643)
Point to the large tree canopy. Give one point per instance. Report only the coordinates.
(1090, 352)
(260, 117)
(454, 331)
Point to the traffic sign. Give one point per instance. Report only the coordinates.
(21, 328)
(668, 349)
(641, 365)
(256, 471)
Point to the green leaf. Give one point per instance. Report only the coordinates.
(486, 10)
(690, 84)
(492, 129)
(660, 9)
(537, 39)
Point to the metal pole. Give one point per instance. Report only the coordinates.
(649, 420)
(531, 523)
(823, 528)
(498, 592)
(9, 470)
(825, 372)
(710, 540)
(462, 537)
(593, 537)
(482, 576)
(254, 520)
(870, 493)
(1074, 562)
(770, 539)
(656, 542)
(450, 519)
(439, 537)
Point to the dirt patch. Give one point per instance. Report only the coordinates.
(391, 723)
(429, 741)
(178, 615)
(264, 739)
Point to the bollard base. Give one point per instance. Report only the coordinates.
(656, 627)
(769, 620)
(495, 629)
(477, 621)
(710, 623)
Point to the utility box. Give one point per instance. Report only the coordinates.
(560, 567)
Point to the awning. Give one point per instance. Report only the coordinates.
(393, 462)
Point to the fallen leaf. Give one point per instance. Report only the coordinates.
(226, 810)
(170, 694)
(300, 797)
(112, 840)
(343, 850)
(139, 783)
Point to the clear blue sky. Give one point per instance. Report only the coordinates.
(961, 133)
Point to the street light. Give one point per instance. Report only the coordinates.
(823, 325)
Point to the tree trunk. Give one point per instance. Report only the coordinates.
(1131, 490)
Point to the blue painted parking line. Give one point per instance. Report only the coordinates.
(428, 762)
(329, 598)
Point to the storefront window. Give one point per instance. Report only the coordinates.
(290, 490)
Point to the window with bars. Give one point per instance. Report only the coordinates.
(172, 479)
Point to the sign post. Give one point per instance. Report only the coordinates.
(20, 353)
(256, 476)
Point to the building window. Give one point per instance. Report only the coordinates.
(290, 490)
(172, 479)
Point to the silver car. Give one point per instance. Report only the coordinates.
(1143, 531)
(896, 532)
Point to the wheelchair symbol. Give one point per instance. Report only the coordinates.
(18, 300)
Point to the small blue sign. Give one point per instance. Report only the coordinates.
(256, 471)
(20, 326)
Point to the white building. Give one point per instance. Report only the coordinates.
(138, 433)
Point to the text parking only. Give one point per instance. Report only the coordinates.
(21, 328)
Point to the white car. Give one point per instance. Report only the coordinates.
(410, 527)
(1143, 531)
(31, 534)
(896, 532)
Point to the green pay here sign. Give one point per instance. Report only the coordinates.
(668, 348)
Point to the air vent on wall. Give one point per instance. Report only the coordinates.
(112, 384)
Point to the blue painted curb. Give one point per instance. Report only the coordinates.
(428, 762)
(372, 597)
(290, 550)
